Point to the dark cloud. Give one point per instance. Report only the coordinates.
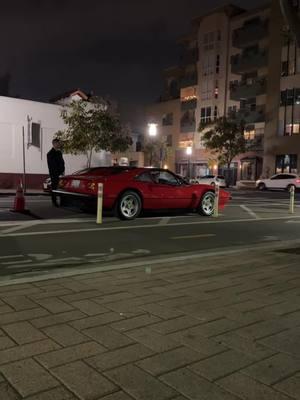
(115, 47)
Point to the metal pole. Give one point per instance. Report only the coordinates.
(217, 195)
(99, 203)
(24, 160)
(292, 200)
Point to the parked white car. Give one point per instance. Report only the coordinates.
(279, 181)
(212, 180)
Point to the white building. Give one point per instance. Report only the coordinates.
(37, 122)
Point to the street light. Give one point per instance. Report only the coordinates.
(152, 129)
(189, 151)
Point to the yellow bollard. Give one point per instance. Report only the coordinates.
(292, 200)
(216, 203)
(99, 203)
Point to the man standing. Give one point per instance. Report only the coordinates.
(56, 166)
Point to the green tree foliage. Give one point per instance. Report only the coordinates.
(225, 138)
(156, 151)
(91, 127)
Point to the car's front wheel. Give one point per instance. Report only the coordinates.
(261, 186)
(129, 206)
(207, 203)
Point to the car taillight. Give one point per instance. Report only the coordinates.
(91, 186)
(297, 180)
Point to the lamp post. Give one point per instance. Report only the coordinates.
(189, 151)
(152, 131)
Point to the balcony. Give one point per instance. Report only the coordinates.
(187, 126)
(249, 61)
(189, 80)
(249, 116)
(248, 89)
(250, 33)
(189, 105)
(256, 144)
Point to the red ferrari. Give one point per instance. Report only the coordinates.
(130, 190)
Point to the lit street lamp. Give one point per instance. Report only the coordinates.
(189, 151)
(152, 129)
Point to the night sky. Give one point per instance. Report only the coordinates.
(111, 47)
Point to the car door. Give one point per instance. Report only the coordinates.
(169, 192)
(275, 182)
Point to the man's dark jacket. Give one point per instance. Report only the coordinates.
(56, 163)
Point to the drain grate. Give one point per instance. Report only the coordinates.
(294, 250)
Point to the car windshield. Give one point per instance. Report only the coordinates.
(103, 171)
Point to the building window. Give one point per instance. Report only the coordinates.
(36, 134)
(216, 89)
(290, 102)
(205, 114)
(207, 89)
(286, 163)
(167, 119)
(218, 63)
(169, 140)
(208, 64)
(216, 112)
(208, 41)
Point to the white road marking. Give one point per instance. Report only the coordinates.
(250, 212)
(204, 235)
(141, 251)
(19, 227)
(86, 269)
(95, 255)
(7, 257)
(62, 260)
(164, 221)
(16, 262)
(40, 257)
(130, 227)
(269, 238)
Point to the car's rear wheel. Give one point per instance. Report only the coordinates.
(129, 205)
(261, 186)
(207, 203)
(289, 187)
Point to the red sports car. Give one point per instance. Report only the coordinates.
(130, 190)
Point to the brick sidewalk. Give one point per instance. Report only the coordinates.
(219, 328)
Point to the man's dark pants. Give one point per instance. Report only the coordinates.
(54, 186)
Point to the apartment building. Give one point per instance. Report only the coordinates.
(282, 131)
(241, 64)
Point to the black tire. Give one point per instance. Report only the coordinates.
(261, 186)
(206, 205)
(289, 187)
(129, 205)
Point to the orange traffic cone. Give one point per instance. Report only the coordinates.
(19, 203)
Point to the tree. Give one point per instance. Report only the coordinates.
(91, 127)
(225, 137)
(157, 151)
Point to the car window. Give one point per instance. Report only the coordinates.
(220, 177)
(289, 176)
(207, 177)
(144, 177)
(164, 178)
(275, 177)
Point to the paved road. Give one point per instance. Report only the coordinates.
(53, 238)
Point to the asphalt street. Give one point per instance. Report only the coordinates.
(50, 238)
